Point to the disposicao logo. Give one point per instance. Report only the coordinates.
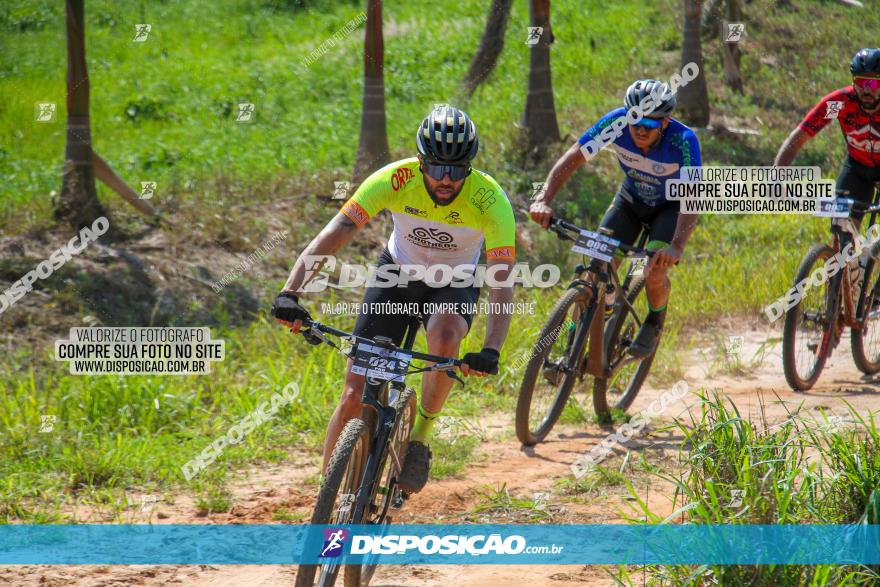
(334, 542)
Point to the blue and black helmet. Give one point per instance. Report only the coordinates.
(866, 62)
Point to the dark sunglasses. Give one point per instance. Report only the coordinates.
(649, 123)
(456, 172)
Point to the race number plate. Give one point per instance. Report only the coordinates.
(380, 363)
(595, 245)
(839, 208)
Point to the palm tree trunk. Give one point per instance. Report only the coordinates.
(731, 54)
(490, 47)
(78, 203)
(693, 97)
(373, 148)
(539, 117)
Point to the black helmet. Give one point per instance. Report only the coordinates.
(641, 88)
(866, 61)
(448, 136)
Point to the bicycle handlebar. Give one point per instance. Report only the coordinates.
(859, 206)
(311, 326)
(562, 229)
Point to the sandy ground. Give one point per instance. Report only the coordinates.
(505, 465)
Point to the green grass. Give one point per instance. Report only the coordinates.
(794, 472)
(499, 502)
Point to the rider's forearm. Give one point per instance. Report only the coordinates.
(790, 147)
(498, 323)
(683, 229)
(562, 170)
(333, 237)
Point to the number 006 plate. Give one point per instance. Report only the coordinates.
(595, 245)
(380, 363)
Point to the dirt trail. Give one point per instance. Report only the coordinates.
(261, 494)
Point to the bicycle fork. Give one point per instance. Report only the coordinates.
(385, 419)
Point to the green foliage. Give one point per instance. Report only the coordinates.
(799, 471)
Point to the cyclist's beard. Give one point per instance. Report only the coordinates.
(869, 102)
(437, 201)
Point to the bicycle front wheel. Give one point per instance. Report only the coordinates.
(336, 500)
(808, 332)
(625, 374)
(547, 382)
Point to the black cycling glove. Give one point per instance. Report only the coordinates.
(287, 308)
(486, 361)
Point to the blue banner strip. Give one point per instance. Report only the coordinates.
(282, 544)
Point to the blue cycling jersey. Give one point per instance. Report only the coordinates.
(646, 175)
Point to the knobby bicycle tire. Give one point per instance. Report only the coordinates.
(535, 366)
(867, 301)
(794, 316)
(353, 445)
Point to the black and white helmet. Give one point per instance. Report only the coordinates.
(448, 136)
(642, 88)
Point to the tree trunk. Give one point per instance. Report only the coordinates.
(539, 117)
(490, 47)
(78, 203)
(731, 53)
(373, 150)
(693, 97)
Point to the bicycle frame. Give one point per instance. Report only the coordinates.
(841, 286)
(592, 321)
(375, 398)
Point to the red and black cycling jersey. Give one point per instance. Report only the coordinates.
(861, 129)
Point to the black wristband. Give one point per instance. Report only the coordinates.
(290, 295)
(491, 351)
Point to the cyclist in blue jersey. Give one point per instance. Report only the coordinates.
(651, 148)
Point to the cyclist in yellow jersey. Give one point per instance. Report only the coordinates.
(443, 212)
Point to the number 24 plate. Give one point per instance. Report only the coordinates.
(380, 363)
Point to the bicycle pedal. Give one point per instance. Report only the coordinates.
(398, 500)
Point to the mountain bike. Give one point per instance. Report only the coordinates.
(851, 297)
(580, 322)
(360, 484)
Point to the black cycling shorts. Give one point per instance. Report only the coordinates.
(371, 323)
(627, 216)
(856, 181)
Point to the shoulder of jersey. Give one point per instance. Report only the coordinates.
(844, 93)
(489, 182)
(678, 126)
(402, 175)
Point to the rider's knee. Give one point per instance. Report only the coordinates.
(444, 339)
(350, 402)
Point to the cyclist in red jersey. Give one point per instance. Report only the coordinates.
(857, 109)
